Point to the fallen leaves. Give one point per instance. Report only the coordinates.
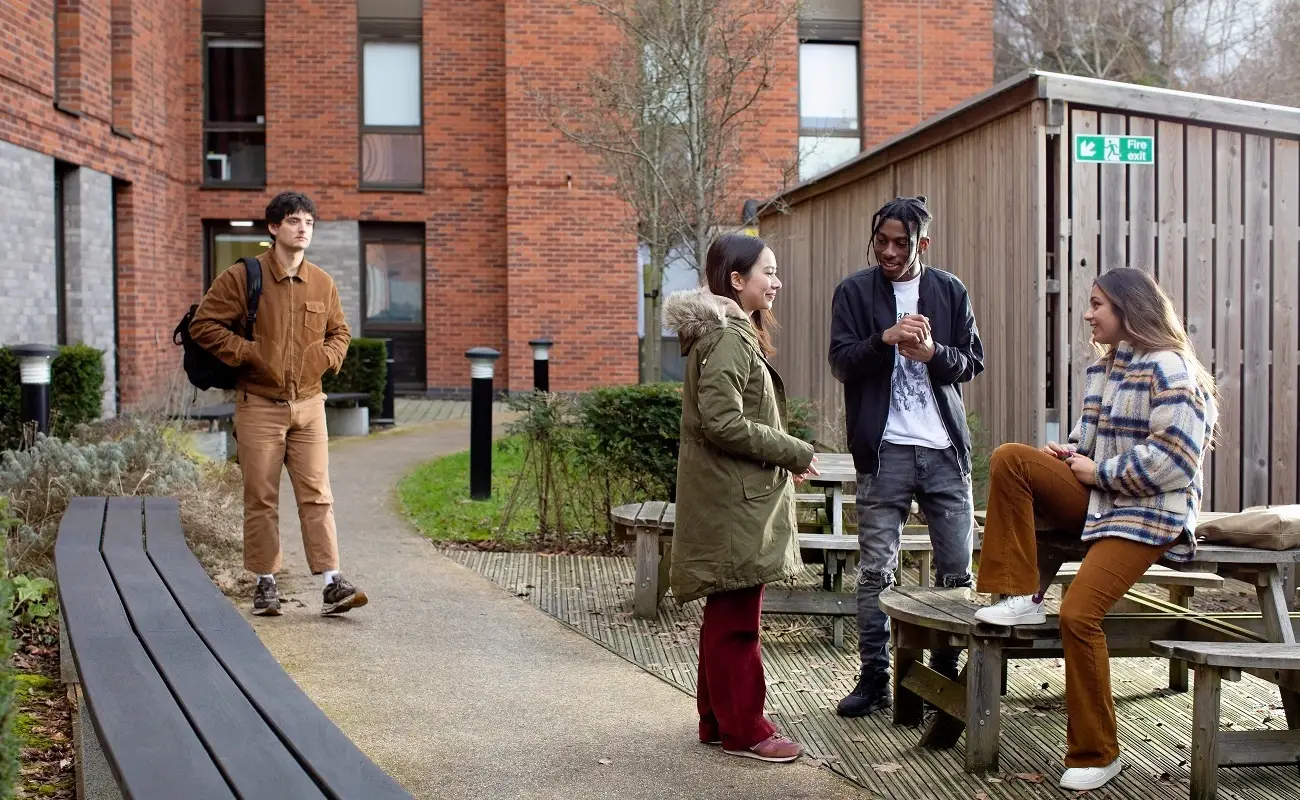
(1028, 777)
(888, 768)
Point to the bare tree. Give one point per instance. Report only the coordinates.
(1270, 71)
(668, 113)
(1168, 43)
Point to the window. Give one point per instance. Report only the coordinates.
(230, 241)
(829, 129)
(392, 296)
(392, 130)
(234, 122)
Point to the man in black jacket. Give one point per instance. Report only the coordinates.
(903, 341)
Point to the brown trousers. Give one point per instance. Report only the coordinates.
(273, 435)
(1024, 480)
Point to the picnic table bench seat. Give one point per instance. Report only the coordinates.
(183, 698)
(1214, 662)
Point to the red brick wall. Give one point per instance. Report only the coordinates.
(572, 261)
(921, 57)
(513, 251)
(153, 285)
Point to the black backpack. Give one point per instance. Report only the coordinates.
(205, 370)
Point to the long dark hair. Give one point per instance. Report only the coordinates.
(1148, 317)
(735, 252)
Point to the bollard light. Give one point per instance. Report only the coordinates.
(542, 363)
(482, 365)
(34, 362)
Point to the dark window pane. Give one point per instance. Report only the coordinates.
(394, 275)
(392, 159)
(235, 157)
(236, 81)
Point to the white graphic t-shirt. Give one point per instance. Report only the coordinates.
(913, 414)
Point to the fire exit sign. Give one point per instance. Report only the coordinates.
(1115, 149)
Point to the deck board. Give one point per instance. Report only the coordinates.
(807, 676)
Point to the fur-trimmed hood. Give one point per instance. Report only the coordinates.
(694, 313)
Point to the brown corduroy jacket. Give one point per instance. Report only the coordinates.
(299, 334)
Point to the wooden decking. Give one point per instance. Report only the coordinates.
(807, 677)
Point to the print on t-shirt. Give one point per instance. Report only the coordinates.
(913, 413)
(911, 384)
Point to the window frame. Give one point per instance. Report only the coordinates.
(839, 33)
(216, 28)
(404, 31)
(393, 233)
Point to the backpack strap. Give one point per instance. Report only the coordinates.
(254, 268)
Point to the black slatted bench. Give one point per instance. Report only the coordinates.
(184, 698)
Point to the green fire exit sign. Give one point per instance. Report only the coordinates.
(1115, 149)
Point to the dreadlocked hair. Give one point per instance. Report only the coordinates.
(912, 212)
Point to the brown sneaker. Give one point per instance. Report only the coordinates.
(266, 598)
(775, 748)
(341, 596)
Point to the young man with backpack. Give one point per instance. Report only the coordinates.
(298, 332)
(903, 341)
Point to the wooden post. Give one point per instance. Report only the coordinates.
(646, 594)
(1180, 596)
(1205, 733)
(909, 710)
(983, 703)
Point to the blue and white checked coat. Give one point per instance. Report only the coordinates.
(1146, 422)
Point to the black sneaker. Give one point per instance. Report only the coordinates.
(341, 597)
(872, 694)
(266, 598)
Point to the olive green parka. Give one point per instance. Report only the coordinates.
(735, 524)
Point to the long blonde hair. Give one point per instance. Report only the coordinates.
(1149, 319)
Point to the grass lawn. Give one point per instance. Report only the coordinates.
(436, 497)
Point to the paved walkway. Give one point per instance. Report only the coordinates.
(461, 690)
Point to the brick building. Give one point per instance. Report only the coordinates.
(141, 139)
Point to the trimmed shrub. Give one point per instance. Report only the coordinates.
(76, 392)
(364, 370)
(635, 432)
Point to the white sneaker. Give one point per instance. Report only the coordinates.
(1020, 610)
(1082, 779)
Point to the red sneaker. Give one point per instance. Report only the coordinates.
(776, 748)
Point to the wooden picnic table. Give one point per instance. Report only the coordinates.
(928, 618)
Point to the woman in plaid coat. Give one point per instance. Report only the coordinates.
(1129, 482)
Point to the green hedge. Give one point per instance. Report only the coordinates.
(76, 391)
(364, 370)
(635, 431)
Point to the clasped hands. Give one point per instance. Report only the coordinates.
(1084, 468)
(912, 337)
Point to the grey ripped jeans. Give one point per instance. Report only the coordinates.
(943, 494)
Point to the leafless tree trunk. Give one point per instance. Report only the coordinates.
(666, 113)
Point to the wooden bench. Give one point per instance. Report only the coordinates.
(184, 699)
(924, 619)
(647, 528)
(1213, 748)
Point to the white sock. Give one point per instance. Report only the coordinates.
(329, 576)
(270, 578)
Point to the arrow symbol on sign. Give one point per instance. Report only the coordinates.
(1088, 149)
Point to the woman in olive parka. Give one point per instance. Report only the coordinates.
(735, 528)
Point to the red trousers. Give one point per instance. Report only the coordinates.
(730, 690)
